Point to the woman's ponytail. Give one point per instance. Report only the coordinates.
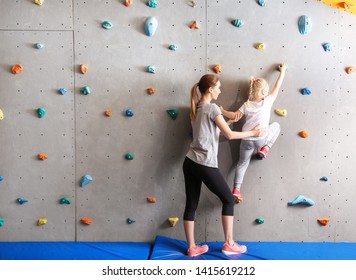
(193, 101)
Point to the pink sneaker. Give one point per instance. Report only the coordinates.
(234, 249)
(198, 250)
(263, 152)
(237, 195)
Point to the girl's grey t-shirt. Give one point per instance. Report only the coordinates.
(204, 148)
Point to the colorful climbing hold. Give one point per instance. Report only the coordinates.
(345, 5)
(238, 23)
(260, 46)
(262, 3)
(84, 68)
(2, 178)
(151, 69)
(173, 47)
(281, 112)
(302, 200)
(1, 115)
(151, 199)
(217, 68)
(259, 221)
(64, 200)
(129, 112)
(21, 200)
(324, 178)
(173, 221)
(128, 3)
(193, 4)
(39, 46)
(151, 90)
(86, 221)
(194, 25)
(108, 113)
(327, 47)
(41, 112)
(2, 221)
(42, 156)
(63, 91)
(107, 24)
(41, 222)
(324, 221)
(150, 26)
(305, 91)
(39, 2)
(173, 113)
(129, 156)
(85, 90)
(350, 69)
(130, 221)
(17, 69)
(304, 25)
(304, 134)
(152, 3)
(86, 179)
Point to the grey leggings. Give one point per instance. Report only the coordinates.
(249, 147)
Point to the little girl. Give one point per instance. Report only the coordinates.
(257, 110)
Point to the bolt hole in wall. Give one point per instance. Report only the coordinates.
(77, 134)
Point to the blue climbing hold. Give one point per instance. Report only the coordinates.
(130, 221)
(324, 178)
(150, 27)
(129, 112)
(2, 178)
(86, 179)
(63, 91)
(327, 47)
(301, 200)
(262, 3)
(304, 25)
(21, 200)
(305, 91)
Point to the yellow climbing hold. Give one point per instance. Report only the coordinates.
(41, 222)
(260, 46)
(281, 112)
(39, 2)
(173, 221)
(1, 115)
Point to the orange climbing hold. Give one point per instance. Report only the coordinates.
(108, 113)
(324, 221)
(42, 156)
(217, 68)
(350, 69)
(345, 5)
(194, 25)
(304, 134)
(84, 68)
(86, 221)
(151, 90)
(151, 199)
(17, 69)
(128, 3)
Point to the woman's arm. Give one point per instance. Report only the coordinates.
(230, 134)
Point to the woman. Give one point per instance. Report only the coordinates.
(201, 163)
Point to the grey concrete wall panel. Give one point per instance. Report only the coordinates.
(24, 135)
(26, 15)
(79, 139)
(117, 61)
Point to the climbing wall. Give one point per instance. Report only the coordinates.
(80, 139)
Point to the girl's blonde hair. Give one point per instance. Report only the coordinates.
(256, 85)
(206, 82)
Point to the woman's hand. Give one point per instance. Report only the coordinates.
(259, 131)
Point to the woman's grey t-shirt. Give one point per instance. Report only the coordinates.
(204, 148)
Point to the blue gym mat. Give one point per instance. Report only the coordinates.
(171, 249)
(75, 250)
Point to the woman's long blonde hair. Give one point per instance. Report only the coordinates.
(206, 82)
(256, 85)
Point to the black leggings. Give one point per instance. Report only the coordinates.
(194, 175)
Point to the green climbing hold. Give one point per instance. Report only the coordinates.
(259, 221)
(129, 156)
(152, 3)
(64, 200)
(173, 113)
(173, 47)
(41, 112)
(1, 222)
(39, 46)
(85, 90)
(130, 221)
(107, 24)
(237, 23)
